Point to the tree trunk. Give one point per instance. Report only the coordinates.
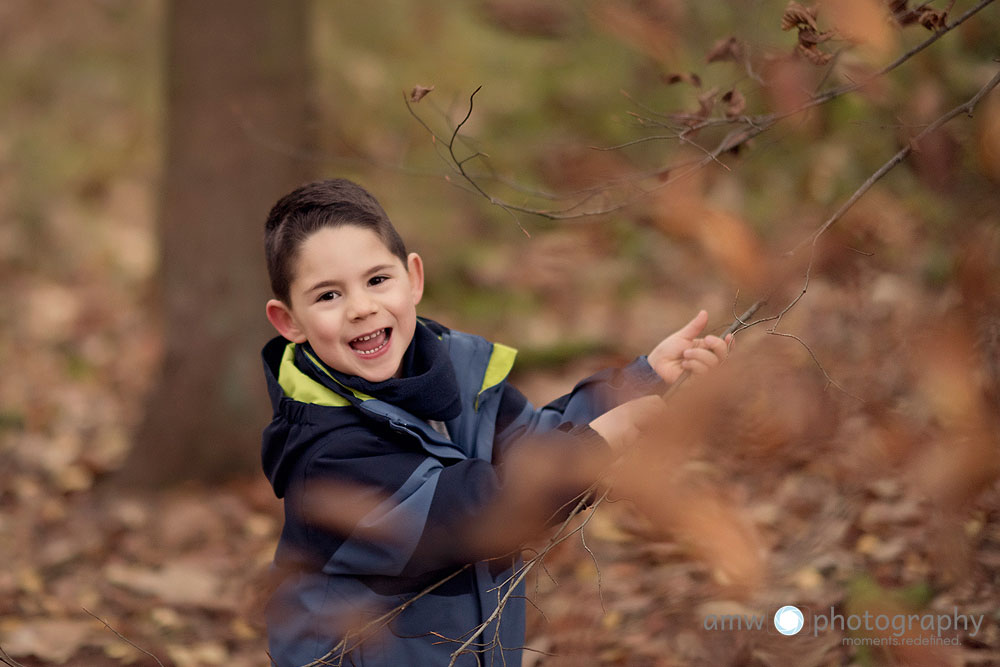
(237, 77)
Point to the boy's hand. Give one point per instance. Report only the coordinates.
(622, 426)
(682, 351)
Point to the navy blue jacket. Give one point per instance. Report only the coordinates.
(422, 486)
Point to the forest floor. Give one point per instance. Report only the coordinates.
(171, 578)
(100, 582)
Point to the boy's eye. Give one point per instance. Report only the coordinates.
(327, 296)
(378, 280)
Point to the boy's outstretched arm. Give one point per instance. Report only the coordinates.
(680, 352)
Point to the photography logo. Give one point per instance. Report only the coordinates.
(788, 620)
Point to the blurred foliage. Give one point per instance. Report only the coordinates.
(80, 149)
(561, 79)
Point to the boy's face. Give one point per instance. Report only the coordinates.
(353, 300)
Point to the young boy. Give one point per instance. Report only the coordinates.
(415, 421)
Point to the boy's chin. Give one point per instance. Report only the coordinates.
(381, 374)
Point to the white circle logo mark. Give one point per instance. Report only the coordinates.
(788, 620)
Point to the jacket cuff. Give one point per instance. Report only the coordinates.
(641, 380)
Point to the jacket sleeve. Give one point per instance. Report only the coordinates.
(589, 399)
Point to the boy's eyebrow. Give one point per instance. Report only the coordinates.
(336, 283)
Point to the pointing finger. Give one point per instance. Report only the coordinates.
(694, 327)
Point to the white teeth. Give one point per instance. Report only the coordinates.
(364, 352)
(369, 336)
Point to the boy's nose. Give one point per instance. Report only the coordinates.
(361, 306)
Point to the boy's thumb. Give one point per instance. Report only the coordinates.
(695, 326)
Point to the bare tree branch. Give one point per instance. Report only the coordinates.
(748, 127)
(813, 239)
(966, 108)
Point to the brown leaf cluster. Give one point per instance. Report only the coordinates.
(927, 16)
(803, 19)
(799, 17)
(707, 102)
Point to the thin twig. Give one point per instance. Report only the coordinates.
(123, 637)
(597, 566)
(515, 580)
(830, 380)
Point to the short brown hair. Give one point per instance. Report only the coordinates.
(309, 208)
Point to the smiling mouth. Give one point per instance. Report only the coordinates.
(371, 343)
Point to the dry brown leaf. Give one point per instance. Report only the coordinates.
(898, 7)
(809, 38)
(728, 48)
(419, 92)
(813, 54)
(932, 19)
(797, 16)
(735, 103)
(706, 102)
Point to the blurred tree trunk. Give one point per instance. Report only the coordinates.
(237, 95)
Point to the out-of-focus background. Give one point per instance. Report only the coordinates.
(855, 455)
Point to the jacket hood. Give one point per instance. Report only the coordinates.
(295, 423)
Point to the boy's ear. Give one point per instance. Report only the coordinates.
(279, 315)
(415, 268)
